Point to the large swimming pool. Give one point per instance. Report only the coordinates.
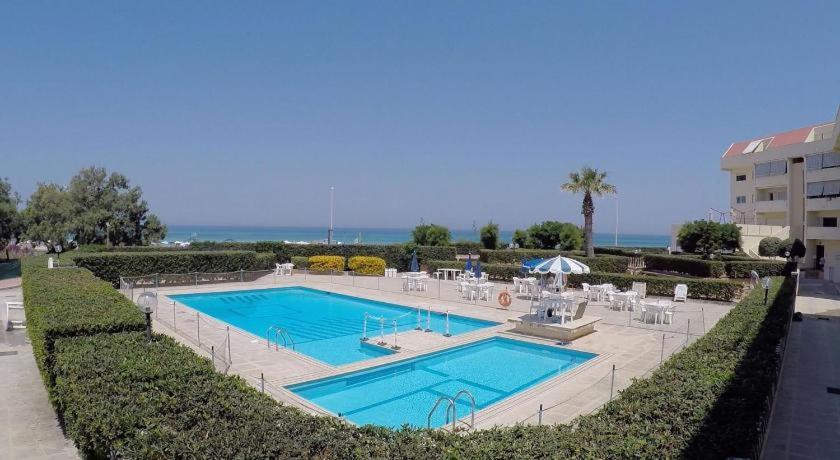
(324, 325)
(402, 393)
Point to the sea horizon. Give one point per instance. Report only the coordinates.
(369, 235)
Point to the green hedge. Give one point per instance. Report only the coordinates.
(710, 289)
(600, 263)
(738, 269)
(124, 398)
(104, 248)
(67, 302)
(300, 262)
(685, 265)
(395, 255)
(111, 265)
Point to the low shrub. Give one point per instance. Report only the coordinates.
(629, 251)
(300, 262)
(709, 289)
(326, 263)
(104, 248)
(69, 302)
(685, 265)
(465, 247)
(742, 269)
(601, 263)
(111, 265)
(365, 265)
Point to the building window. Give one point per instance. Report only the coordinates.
(829, 221)
(772, 168)
(740, 177)
(822, 161)
(824, 189)
(741, 199)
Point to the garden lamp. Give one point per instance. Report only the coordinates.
(765, 283)
(147, 302)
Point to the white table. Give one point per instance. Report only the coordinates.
(625, 298)
(446, 271)
(660, 310)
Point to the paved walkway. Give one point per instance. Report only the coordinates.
(806, 419)
(28, 425)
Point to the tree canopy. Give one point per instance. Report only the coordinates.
(550, 234)
(590, 182)
(95, 208)
(10, 219)
(706, 237)
(431, 235)
(490, 236)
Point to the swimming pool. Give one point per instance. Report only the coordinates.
(324, 325)
(403, 393)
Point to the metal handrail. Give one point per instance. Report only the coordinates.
(282, 334)
(472, 404)
(434, 408)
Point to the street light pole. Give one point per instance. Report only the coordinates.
(332, 209)
(616, 221)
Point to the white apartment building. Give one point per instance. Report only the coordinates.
(788, 184)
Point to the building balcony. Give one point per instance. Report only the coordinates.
(823, 233)
(780, 180)
(822, 204)
(771, 206)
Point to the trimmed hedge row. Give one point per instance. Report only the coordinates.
(685, 265)
(501, 272)
(601, 263)
(709, 289)
(111, 265)
(395, 255)
(117, 393)
(738, 269)
(120, 396)
(69, 302)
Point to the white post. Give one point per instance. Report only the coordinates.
(364, 329)
(447, 334)
(395, 347)
(381, 331)
(429, 319)
(418, 328)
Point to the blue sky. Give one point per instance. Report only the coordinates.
(245, 113)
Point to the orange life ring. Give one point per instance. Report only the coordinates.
(504, 298)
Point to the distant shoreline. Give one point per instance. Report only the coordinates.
(368, 235)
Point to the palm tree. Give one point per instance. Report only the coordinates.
(589, 182)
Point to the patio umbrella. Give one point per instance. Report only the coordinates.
(469, 265)
(477, 269)
(528, 265)
(560, 264)
(414, 266)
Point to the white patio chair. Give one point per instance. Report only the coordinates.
(586, 290)
(680, 293)
(516, 284)
(640, 289)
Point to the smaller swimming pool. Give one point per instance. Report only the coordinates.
(402, 393)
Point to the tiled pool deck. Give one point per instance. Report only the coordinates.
(621, 340)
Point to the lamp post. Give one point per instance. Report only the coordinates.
(58, 248)
(147, 302)
(332, 209)
(615, 243)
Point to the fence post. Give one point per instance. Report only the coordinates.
(262, 383)
(241, 275)
(418, 328)
(198, 328)
(174, 327)
(195, 274)
(230, 358)
(687, 331)
(612, 382)
(539, 418)
(429, 319)
(157, 281)
(213, 356)
(662, 351)
(703, 317)
(395, 347)
(382, 332)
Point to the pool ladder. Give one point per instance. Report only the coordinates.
(278, 333)
(452, 406)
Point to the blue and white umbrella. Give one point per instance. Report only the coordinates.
(414, 266)
(477, 269)
(560, 264)
(468, 267)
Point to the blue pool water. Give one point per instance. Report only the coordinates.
(323, 325)
(403, 393)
